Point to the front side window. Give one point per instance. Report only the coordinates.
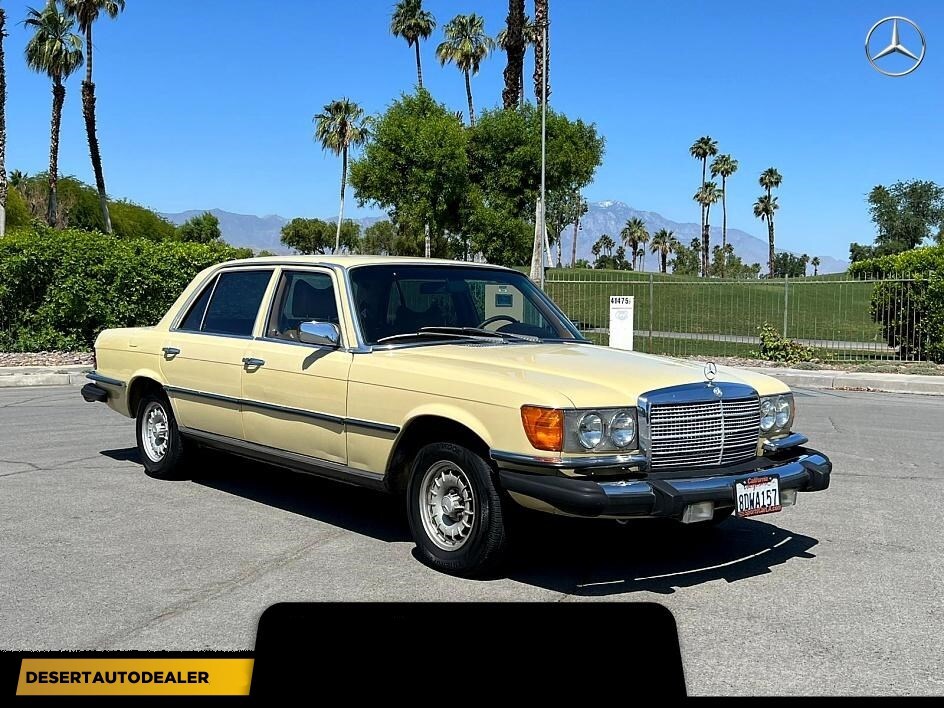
(302, 296)
(398, 300)
(229, 305)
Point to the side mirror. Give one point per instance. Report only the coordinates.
(322, 334)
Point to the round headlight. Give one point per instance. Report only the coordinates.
(768, 414)
(783, 412)
(590, 430)
(622, 429)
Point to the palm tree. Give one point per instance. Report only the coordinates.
(643, 239)
(513, 41)
(702, 149)
(85, 13)
(339, 127)
(413, 23)
(706, 196)
(724, 166)
(769, 179)
(764, 209)
(466, 45)
(663, 243)
(17, 178)
(815, 263)
(542, 74)
(3, 128)
(54, 50)
(634, 229)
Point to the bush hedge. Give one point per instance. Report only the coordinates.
(59, 289)
(911, 308)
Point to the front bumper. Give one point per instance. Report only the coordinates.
(666, 494)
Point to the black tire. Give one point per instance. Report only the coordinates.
(481, 551)
(170, 465)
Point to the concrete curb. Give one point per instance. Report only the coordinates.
(887, 383)
(71, 375)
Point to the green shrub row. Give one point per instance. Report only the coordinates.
(911, 308)
(59, 289)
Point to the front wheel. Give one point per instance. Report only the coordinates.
(455, 510)
(159, 443)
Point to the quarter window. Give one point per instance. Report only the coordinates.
(193, 319)
(234, 303)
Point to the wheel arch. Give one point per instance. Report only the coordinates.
(140, 384)
(432, 425)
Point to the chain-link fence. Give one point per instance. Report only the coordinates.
(681, 316)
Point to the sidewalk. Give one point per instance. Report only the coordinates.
(797, 378)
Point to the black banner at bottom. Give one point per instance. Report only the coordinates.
(445, 651)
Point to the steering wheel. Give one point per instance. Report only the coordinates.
(499, 318)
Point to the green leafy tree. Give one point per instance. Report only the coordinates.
(3, 127)
(790, 265)
(687, 260)
(18, 213)
(85, 13)
(580, 209)
(724, 166)
(202, 228)
(317, 237)
(416, 168)
(906, 215)
(641, 251)
(466, 45)
(663, 244)
(339, 127)
(706, 196)
(380, 239)
(54, 50)
(411, 22)
(764, 209)
(815, 263)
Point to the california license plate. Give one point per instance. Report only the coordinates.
(757, 495)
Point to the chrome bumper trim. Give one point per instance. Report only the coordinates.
(785, 443)
(95, 376)
(561, 462)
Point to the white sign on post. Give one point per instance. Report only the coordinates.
(621, 321)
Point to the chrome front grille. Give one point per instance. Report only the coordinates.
(703, 433)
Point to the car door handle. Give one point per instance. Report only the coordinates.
(170, 352)
(252, 363)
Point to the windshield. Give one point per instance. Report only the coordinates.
(395, 301)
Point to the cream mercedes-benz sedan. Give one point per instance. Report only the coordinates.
(461, 386)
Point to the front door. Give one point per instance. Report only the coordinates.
(203, 354)
(295, 394)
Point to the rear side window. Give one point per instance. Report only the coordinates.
(193, 319)
(234, 304)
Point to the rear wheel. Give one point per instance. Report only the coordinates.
(159, 442)
(455, 510)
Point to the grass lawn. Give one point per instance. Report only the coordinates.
(822, 308)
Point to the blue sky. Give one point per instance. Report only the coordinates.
(209, 104)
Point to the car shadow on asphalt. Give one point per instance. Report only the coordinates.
(603, 558)
(574, 556)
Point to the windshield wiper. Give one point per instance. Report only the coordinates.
(424, 333)
(481, 332)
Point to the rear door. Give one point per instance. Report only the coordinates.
(204, 351)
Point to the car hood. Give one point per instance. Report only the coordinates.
(586, 374)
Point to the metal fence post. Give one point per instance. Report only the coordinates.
(786, 299)
(651, 312)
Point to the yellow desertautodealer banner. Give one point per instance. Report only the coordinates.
(134, 677)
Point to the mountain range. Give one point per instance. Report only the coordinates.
(604, 217)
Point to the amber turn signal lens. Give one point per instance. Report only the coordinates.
(544, 427)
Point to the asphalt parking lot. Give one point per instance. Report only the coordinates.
(842, 594)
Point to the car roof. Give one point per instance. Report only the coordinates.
(346, 261)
